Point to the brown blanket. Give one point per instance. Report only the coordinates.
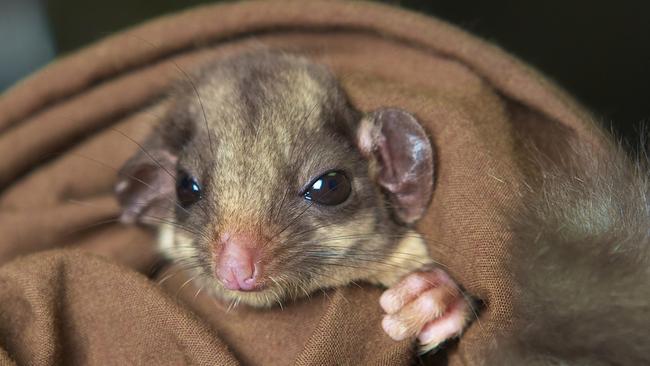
(87, 289)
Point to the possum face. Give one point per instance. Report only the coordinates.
(264, 178)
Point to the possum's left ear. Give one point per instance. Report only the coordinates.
(395, 139)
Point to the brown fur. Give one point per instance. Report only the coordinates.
(581, 262)
(255, 130)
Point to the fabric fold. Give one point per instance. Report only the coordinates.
(66, 130)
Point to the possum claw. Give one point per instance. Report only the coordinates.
(427, 305)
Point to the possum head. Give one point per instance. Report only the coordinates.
(267, 180)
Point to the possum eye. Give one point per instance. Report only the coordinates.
(188, 189)
(331, 188)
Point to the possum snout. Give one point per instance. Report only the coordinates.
(238, 262)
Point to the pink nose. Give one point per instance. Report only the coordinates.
(238, 265)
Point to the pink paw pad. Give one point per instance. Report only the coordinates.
(427, 305)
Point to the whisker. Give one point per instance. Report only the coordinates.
(185, 284)
(92, 226)
(198, 292)
(125, 175)
(191, 82)
(145, 152)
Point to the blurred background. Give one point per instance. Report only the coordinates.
(598, 50)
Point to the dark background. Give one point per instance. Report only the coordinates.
(598, 50)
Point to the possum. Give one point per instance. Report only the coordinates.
(265, 182)
(580, 260)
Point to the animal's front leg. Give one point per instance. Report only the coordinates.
(422, 300)
(428, 305)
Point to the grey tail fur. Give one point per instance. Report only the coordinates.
(581, 263)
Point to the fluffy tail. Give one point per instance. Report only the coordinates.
(581, 263)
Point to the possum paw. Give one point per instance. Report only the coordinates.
(427, 305)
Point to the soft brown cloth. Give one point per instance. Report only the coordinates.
(59, 154)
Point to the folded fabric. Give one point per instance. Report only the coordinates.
(60, 151)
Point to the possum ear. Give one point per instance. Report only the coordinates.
(400, 146)
(146, 185)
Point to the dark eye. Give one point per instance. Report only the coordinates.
(330, 189)
(188, 189)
